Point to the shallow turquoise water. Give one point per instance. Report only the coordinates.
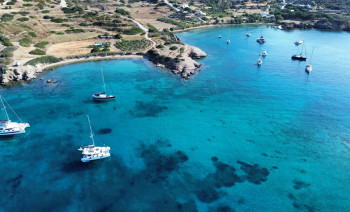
(190, 145)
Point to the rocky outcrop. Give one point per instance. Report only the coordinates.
(196, 53)
(20, 73)
(332, 25)
(321, 24)
(291, 26)
(185, 65)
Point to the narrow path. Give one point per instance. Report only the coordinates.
(144, 29)
(171, 6)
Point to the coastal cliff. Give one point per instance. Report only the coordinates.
(184, 64)
(19, 73)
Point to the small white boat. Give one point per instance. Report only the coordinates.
(228, 42)
(308, 68)
(297, 43)
(219, 36)
(9, 128)
(259, 63)
(264, 54)
(248, 34)
(102, 96)
(92, 152)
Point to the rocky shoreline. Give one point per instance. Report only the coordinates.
(185, 66)
(321, 24)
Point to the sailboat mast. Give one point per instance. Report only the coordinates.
(312, 53)
(91, 134)
(103, 79)
(3, 105)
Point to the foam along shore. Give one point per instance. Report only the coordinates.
(28, 72)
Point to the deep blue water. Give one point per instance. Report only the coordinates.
(235, 136)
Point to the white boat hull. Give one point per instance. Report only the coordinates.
(97, 157)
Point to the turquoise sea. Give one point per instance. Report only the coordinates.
(235, 137)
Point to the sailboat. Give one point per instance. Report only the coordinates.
(308, 67)
(300, 57)
(220, 31)
(248, 34)
(261, 40)
(103, 95)
(228, 39)
(9, 128)
(92, 152)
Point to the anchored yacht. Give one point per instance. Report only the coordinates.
(261, 40)
(9, 128)
(103, 96)
(92, 152)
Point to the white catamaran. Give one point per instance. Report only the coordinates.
(92, 152)
(103, 95)
(9, 128)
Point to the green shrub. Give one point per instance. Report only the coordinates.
(5, 41)
(118, 36)
(41, 44)
(7, 52)
(6, 17)
(58, 20)
(33, 34)
(133, 31)
(22, 19)
(37, 52)
(83, 24)
(25, 42)
(160, 46)
(45, 11)
(44, 59)
(173, 48)
(151, 28)
(95, 49)
(74, 30)
(27, 5)
(122, 11)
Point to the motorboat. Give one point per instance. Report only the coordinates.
(248, 34)
(9, 128)
(228, 42)
(297, 43)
